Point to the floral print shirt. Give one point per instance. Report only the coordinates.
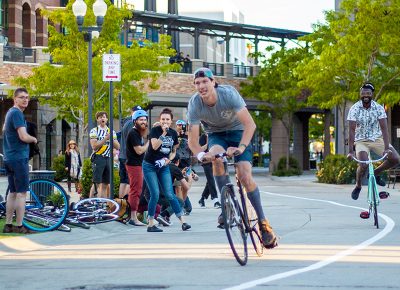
(367, 121)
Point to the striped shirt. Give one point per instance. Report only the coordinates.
(100, 133)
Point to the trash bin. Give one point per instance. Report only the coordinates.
(42, 190)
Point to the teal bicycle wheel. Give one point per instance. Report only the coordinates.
(46, 205)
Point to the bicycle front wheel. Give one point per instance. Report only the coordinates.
(96, 210)
(233, 223)
(375, 206)
(255, 234)
(46, 205)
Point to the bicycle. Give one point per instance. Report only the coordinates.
(95, 210)
(373, 197)
(240, 219)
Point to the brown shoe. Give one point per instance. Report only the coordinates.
(267, 234)
(22, 230)
(8, 229)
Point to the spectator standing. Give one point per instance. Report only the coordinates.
(100, 142)
(136, 146)
(183, 149)
(73, 164)
(16, 161)
(162, 148)
(210, 188)
(123, 175)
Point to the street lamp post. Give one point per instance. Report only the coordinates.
(99, 9)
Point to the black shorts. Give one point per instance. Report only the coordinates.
(123, 175)
(101, 169)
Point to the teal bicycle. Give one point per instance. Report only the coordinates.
(373, 196)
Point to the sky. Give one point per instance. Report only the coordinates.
(287, 14)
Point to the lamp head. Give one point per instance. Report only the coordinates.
(79, 8)
(99, 8)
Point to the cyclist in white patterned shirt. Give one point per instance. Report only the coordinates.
(100, 142)
(368, 131)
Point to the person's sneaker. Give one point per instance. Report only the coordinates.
(384, 194)
(267, 234)
(380, 181)
(217, 204)
(162, 221)
(355, 193)
(201, 202)
(220, 222)
(185, 226)
(8, 229)
(154, 229)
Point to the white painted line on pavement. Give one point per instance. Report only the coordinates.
(388, 228)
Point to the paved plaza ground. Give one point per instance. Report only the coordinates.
(323, 245)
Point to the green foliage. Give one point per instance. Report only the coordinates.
(59, 168)
(65, 86)
(337, 169)
(358, 43)
(294, 167)
(316, 127)
(87, 176)
(263, 122)
(56, 198)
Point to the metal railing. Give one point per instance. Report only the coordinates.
(242, 71)
(216, 68)
(19, 54)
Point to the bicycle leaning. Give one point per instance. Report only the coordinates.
(373, 197)
(240, 219)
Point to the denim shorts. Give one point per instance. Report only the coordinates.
(230, 139)
(18, 174)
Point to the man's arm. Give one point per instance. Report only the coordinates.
(96, 144)
(352, 130)
(116, 144)
(24, 136)
(385, 132)
(249, 128)
(193, 139)
(141, 149)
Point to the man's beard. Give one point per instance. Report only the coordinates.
(366, 100)
(140, 128)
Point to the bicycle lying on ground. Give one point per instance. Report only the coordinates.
(47, 208)
(240, 219)
(373, 197)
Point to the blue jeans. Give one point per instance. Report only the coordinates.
(230, 139)
(156, 177)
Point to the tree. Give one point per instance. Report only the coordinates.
(64, 86)
(358, 44)
(276, 84)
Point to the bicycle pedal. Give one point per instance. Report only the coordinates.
(384, 194)
(364, 215)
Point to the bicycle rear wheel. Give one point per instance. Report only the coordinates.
(375, 206)
(46, 205)
(233, 223)
(255, 234)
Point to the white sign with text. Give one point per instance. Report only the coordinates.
(111, 67)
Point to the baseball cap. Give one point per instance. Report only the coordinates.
(203, 72)
(136, 108)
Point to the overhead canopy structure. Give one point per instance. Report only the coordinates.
(216, 28)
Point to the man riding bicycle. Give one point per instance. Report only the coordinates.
(223, 113)
(368, 131)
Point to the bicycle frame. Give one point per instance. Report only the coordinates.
(373, 196)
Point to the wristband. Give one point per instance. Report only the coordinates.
(245, 146)
(200, 156)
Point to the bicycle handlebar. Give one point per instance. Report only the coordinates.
(370, 161)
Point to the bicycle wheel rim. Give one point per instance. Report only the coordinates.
(234, 227)
(374, 207)
(46, 205)
(91, 205)
(255, 234)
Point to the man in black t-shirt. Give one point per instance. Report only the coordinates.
(136, 146)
